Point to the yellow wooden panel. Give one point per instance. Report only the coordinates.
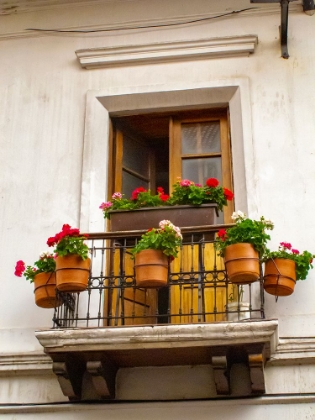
(127, 305)
(208, 296)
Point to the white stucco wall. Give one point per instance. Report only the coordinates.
(44, 95)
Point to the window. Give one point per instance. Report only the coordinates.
(151, 150)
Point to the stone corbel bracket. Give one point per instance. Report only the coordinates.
(86, 360)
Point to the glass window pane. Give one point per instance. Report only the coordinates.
(201, 137)
(130, 182)
(135, 156)
(199, 170)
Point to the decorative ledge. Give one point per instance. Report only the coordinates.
(24, 364)
(167, 51)
(292, 351)
(91, 357)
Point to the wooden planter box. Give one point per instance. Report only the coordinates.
(148, 217)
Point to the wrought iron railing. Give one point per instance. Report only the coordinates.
(198, 288)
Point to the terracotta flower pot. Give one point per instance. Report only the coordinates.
(242, 263)
(151, 268)
(72, 273)
(45, 290)
(279, 277)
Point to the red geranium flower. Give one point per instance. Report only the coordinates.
(136, 192)
(295, 251)
(164, 197)
(51, 241)
(222, 234)
(212, 182)
(228, 194)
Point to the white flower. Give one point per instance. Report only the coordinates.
(238, 215)
(164, 223)
(178, 232)
(269, 224)
(168, 223)
(44, 254)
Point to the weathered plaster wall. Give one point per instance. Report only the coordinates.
(43, 94)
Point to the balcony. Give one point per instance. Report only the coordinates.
(200, 318)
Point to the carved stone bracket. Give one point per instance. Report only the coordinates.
(256, 366)
(103, 375)
(86, 361)
(221, 375)
(70, 379)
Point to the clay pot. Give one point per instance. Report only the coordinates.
(45, 290)
(242, 263)
(72, 273)
(279, 277)
(151, 268)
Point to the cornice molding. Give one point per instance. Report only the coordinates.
(166, 51)
(287, 351)
(32, 363)
(291, 351)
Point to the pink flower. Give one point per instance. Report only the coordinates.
(116, 196)
(19, 268)
(286, 245)
(295, 251)
(185, 183)
(106, 205)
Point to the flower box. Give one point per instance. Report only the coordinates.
(148, 217)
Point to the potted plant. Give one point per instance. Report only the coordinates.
(242, 246)
(156, 248)
(72, 262)
(42, 274)
(188, 201)
(284, 267)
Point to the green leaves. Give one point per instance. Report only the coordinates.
(45, 264)
(196, 195)
(167, 239)
(303, 261)
(72, 245)
(184, 192)
(246, 231)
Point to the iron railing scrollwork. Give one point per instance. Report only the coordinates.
(198, 288)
